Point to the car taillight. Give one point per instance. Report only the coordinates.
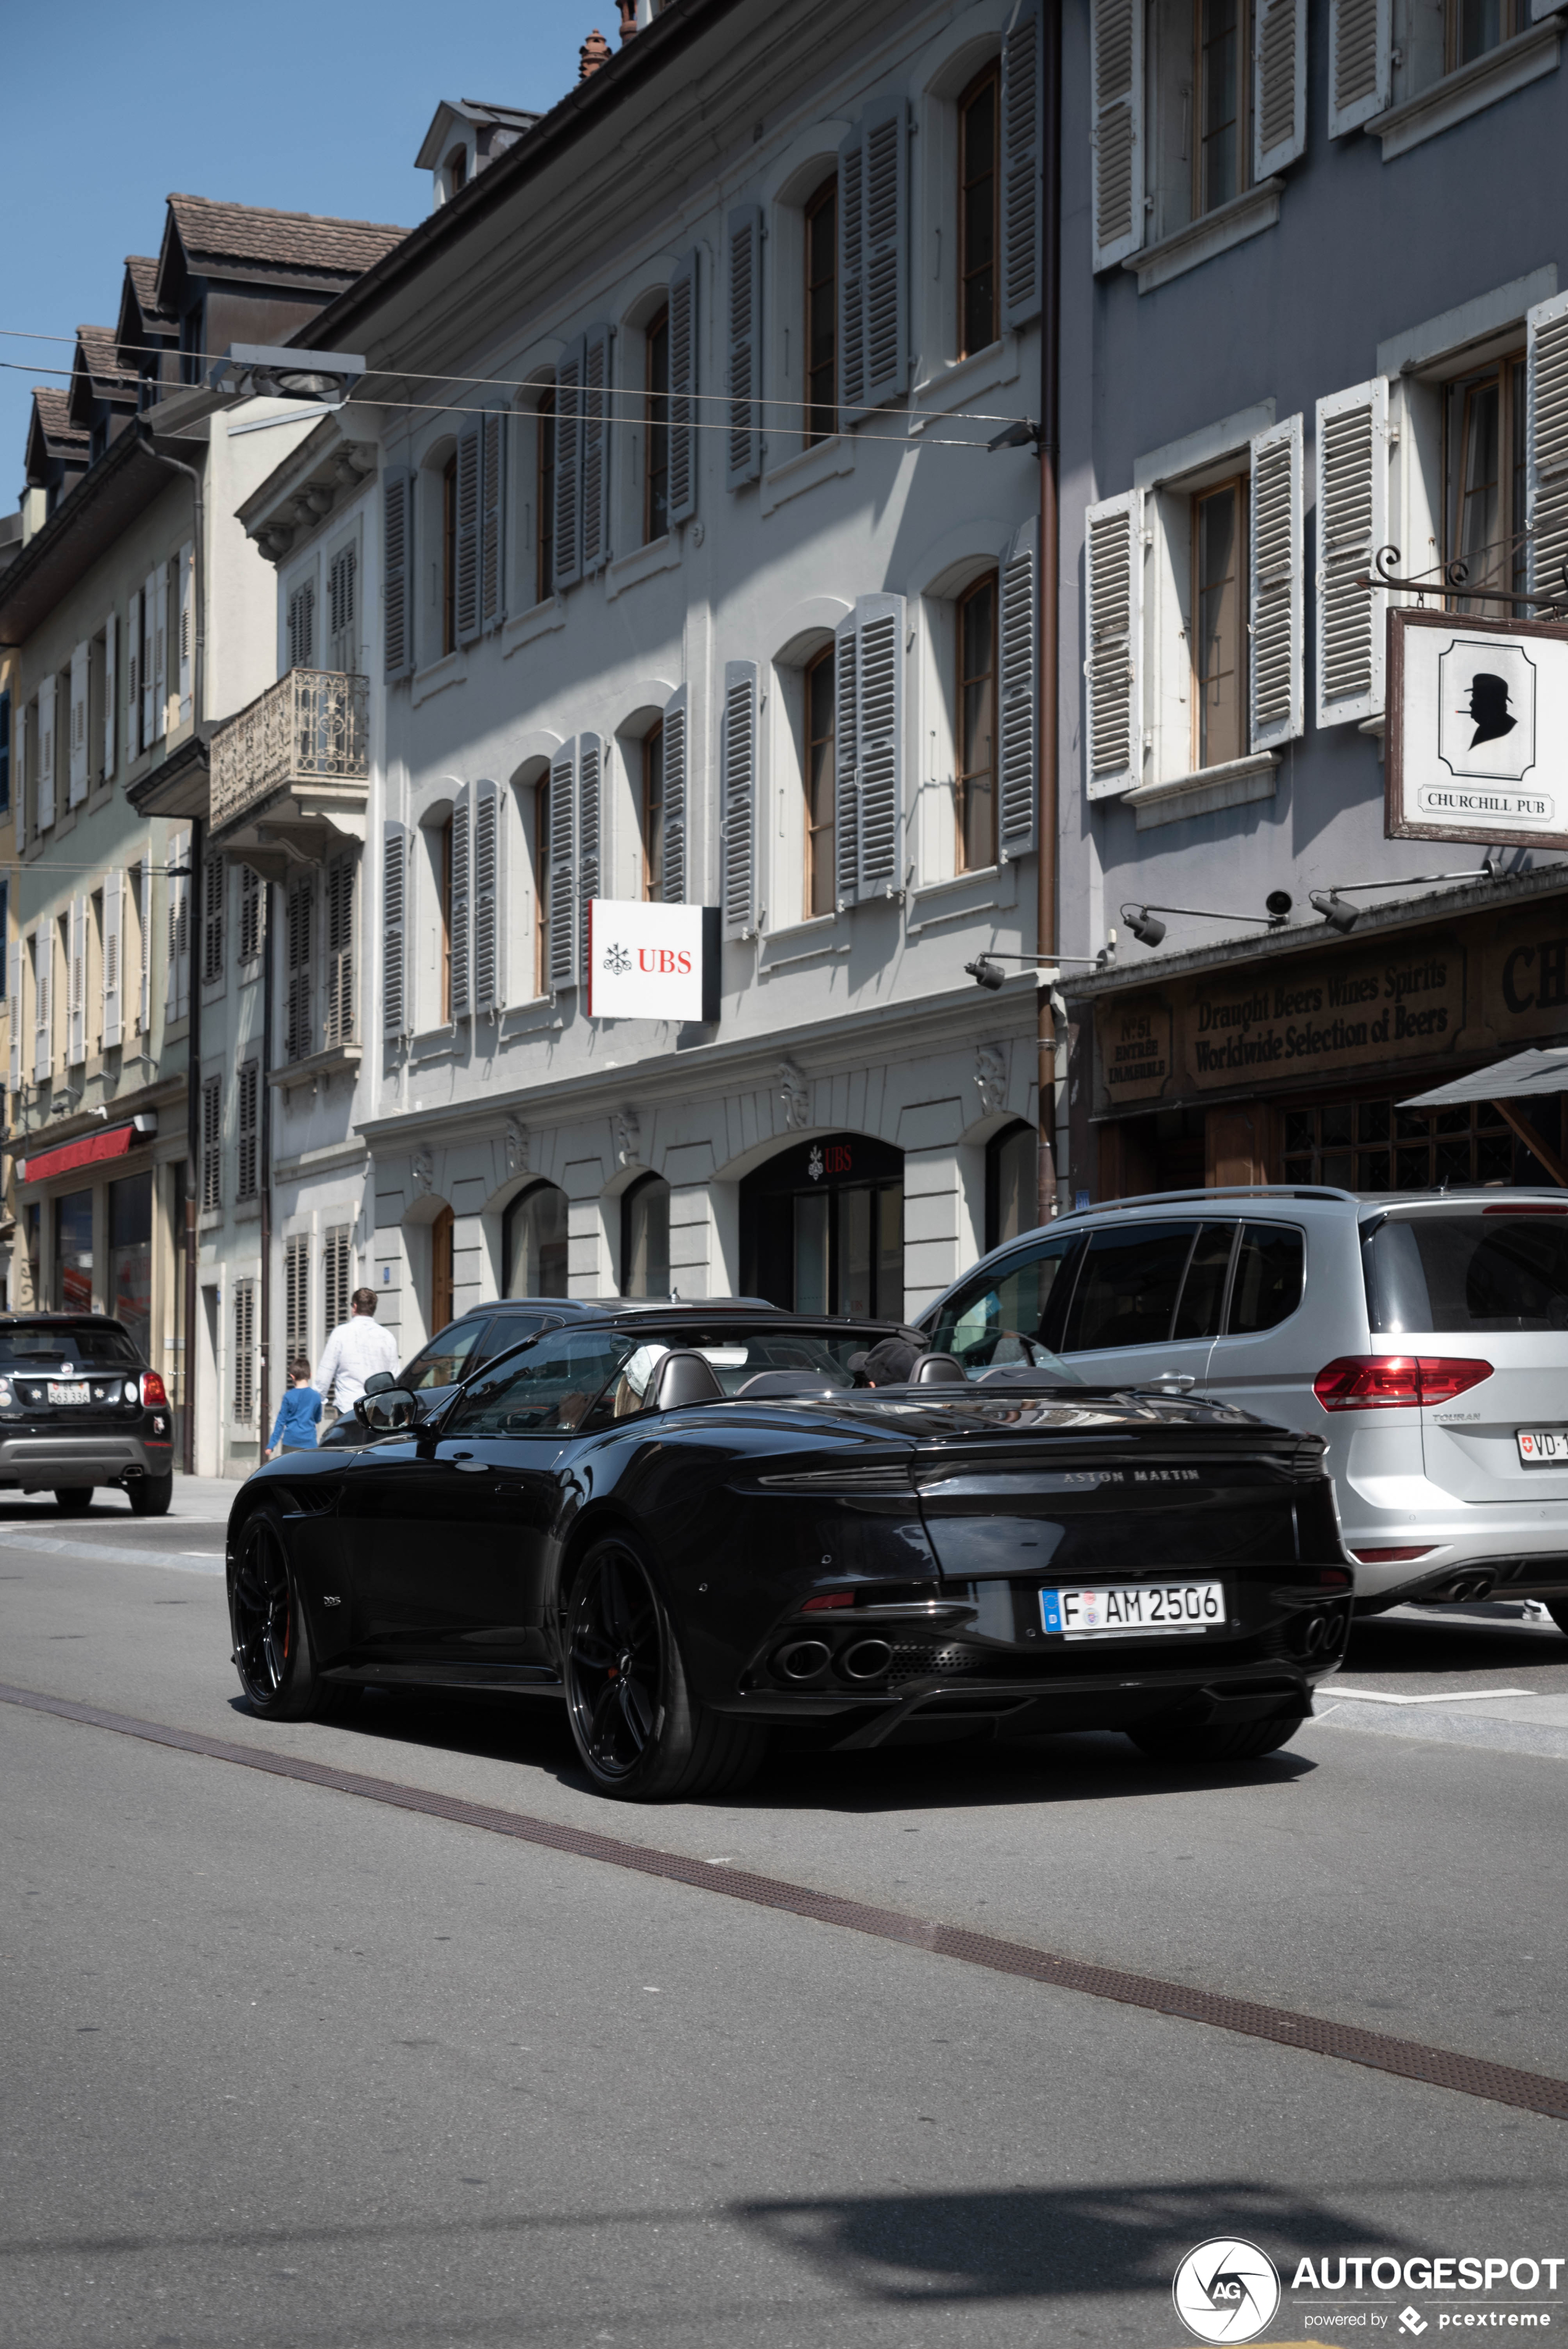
(1390, 1556)
(152, 1389)
(829, 1599)
(1383, 1382)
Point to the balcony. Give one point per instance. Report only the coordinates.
(291, 772)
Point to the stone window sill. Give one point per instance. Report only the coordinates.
(527, 626)
(1235, 784)
(537, 1017)
(1509, 66)
(337, 1060)
(435, 1044)
(1245, 215)
(660, 554)
(949, 387)
(803, 471)
(958, 896)
(452, 669)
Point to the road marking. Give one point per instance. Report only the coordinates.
(189, 1561)
(1437, 2067)
(1444, 1696)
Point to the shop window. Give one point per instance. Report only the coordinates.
(979, 310)
(1012, 1184)
(442, 1233)
(645, 1238)
(821, 1228)
(1484, 517)
(74, 1253)
(821, 886)
(821, 321)
(1376, 1147)
(533, 1243)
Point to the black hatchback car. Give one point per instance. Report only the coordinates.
(79, 1406)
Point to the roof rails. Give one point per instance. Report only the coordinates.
(1224, 1191)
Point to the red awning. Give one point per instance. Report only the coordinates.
(113, 1142)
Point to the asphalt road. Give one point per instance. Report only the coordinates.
(279, 2065)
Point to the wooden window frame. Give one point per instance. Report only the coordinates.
(820, 858)
(545, 448)
(989, 76)
(1202, 206)
(444, 905)
(1514, 17)
(1508, 370)
(820, 415)
(989, 582)
(657, 429)
(653, 812)
(449, 554)
(541, 886)
(1240, 484)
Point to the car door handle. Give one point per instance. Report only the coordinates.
(469, 1465)
(1182, 1379)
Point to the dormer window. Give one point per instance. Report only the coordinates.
(457, 170)
(192, 343)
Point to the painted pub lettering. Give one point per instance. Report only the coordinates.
(1409, 1003)
(1135, 1050)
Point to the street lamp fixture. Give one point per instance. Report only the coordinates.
(1330, 903)
(1145, 925)
(268, 372)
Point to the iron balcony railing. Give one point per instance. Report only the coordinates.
(310, 727)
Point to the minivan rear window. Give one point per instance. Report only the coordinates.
(1459, 1272)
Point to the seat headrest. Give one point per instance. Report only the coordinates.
(683, 1377)
(939, 1370)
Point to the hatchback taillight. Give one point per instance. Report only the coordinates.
(152, 1389)
(1387, 1381)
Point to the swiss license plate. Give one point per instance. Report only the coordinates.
(1543, 1447)
(1126, 1610)
(66, 1390)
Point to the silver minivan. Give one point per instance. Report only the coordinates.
(1424, 1334)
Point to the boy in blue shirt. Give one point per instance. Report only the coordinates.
(299, 1413)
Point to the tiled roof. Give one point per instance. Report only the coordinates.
(254, 236)
(99, 349)
(142, 269)
(49, 408)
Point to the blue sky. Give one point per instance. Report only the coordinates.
(310, 105)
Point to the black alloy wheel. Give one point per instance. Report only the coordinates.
(1189, 1743)
(272, 1639)
(74, 1500)
(641, 1733)
(1558, 1610)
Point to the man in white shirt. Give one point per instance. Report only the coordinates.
(356, 1349)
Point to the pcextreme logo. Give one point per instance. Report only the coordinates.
(1227, 2289)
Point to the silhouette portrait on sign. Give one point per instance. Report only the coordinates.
(1489, 706)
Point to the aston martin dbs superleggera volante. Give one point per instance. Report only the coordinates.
(693, 1526)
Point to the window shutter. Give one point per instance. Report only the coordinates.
(398, 561)
(563, 868)
(211, 1143)
(458, 940)
(43, 1003)
(77, 983)
(342, 610)
(596, 407)
(149, 631)
(590, 799)
(1360, 62)
(1023, 147)
(250, 913)
(743, 371)
(213, 884)
(296, 1294)
(568, 536)
(674, 756)
(1116, 133)
(134, 741)
(19, 770)
(1019, 761)
(78, 788)
(45, 803)
(1352, 525)
(1113, 576)
(244, 1352)
(684, 418)
(393, 929)
(1276, 587)
(18, 954)
(880, 733)
(298, 1037)
(338, 1025)
(302, 625)
(1546, 444)
(488, 993)
(247, 1130)
(1279, 84)
(111, 692)
(187, 591)
(492, 518)
(852, 272)
(737, 787)
(887, 250)
(159, 602)
(177, 994)
(470, 488)
(113, 960)
(144, 995)
(846, 761)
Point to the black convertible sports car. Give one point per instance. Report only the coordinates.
(691, 1524)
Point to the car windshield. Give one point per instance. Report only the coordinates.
(442, 1362)
(1501, 1269)
(736, 1357)
(89, 1345)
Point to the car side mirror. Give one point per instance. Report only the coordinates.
(390, 1409)
(378, 1382)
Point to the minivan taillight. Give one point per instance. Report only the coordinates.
(1387, 1381)
(152, 1389)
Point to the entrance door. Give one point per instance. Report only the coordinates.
(821, 1228)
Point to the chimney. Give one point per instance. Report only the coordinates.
(594, 53)
(628, 20)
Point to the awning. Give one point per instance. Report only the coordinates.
(113, 1142)
(1536, 1072)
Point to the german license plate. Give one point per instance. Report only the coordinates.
(66, 1390)
(1127, 1610)
(1543, 1447)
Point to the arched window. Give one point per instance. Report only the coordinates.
(656, 504)
(979, 312)
(821, 882)
(976, 770)
(821, 305)
(645, 1238)
(654, 813)
(533, 1243)
(457, 170)
(449, 556)
(1011, 1187)
(544, 493)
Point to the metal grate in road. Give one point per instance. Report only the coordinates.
(1408, 2059)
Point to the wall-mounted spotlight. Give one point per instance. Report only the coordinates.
(984, 972)
(1145, 926)
(1330, 903)
(1144, 923)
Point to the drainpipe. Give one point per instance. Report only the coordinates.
(266, 1383)
(1050, 340)
(193, 1038)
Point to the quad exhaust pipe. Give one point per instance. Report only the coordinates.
(802, 1660)
(866, 1661)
